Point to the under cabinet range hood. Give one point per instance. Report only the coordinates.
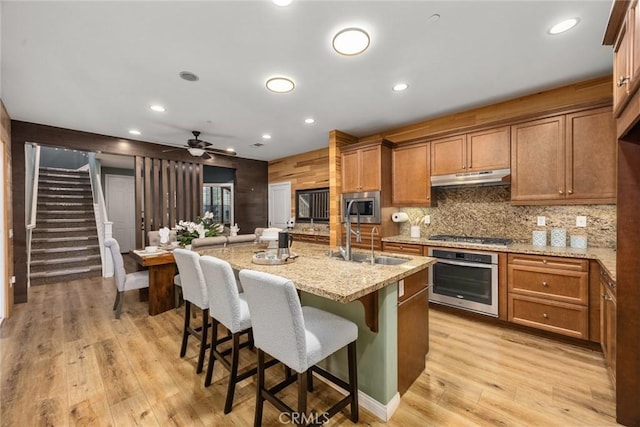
(493, 177)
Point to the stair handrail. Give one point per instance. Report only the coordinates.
(103, 224)
(32, 175)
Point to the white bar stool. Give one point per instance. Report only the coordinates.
(299, 337)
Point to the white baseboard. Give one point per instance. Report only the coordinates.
(380, 410)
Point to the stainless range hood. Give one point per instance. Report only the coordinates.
(494, 177)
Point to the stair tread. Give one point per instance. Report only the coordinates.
(65, 229)
(85, 248)
(67, 271)
(69, 212)
(65, 259)
(62, 239)
(63, 196)
(66, 220)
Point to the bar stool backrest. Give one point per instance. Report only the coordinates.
(194, 288)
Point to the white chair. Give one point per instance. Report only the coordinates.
(299, 337)
(124, 281)
(194, 291)
(229, 307)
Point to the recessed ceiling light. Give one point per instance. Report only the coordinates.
(563, 26)
(158, 108)
(351, 41)
(309, 121)
(135, 132)
(282, 2)
(280, 84)
(266, 136)
(188, 76)
(400, 87)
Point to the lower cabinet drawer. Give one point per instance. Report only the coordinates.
(562, 318)
(566, 286)
(406, 248)
(322, 239)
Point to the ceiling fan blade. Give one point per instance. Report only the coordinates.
(198, 143)
(207, 156)
(221, 152)
(173, 149)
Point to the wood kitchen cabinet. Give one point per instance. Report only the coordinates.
(549, 293)
(626, 63)
(608, 322)
(362, 169)
(402, 248)
(487, 149)
(568, 159)
(413, 328)
(410, 172)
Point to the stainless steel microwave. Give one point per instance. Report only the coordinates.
(367, 204)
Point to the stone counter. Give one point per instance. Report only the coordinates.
(318, 274)
(605, 256)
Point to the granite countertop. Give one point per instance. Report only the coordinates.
(314, 272)
(606, 256)
(310, 232)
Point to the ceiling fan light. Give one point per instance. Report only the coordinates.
(196, 152)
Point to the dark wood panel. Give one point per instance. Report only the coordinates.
(141, 239)
(627, 279)
(5, 132)
(250, 185)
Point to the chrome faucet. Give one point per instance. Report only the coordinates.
(374, 230)
(346, 252)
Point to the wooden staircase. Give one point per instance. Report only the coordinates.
(64, 244)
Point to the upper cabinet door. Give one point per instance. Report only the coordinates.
(489, 149)
(537, 161)
(621, 67)
(351, 171)
(448, 155)
(591, 156)
(370, 168)
(411, 184)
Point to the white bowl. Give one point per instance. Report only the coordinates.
(150, 249)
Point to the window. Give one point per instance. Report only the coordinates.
(218, 199)
(312, 205)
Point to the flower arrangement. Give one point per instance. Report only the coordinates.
(203, 226)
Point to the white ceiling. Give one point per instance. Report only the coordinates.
(97, 66)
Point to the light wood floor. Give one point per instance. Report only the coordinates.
(66, 361)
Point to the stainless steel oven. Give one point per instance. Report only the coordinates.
(367, 204)
(465, 279)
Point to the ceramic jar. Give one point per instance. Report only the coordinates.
(559, 237)
(539, 238)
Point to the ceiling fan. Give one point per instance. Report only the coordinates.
(199, 148)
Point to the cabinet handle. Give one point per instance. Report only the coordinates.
(560, 192)
(623, 80)
(570, 191)
(545, 315)
(544, 261)
(545, 284)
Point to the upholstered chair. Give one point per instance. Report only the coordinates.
(227, 307)
(299, 337)
(124, 281)
(194, 292)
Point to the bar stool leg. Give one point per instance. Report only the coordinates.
(257, 421)
(185, 331)
(353, 380)
(203, 339)
(233, 374)
(309, 380)
(302, 399)
(212, 357)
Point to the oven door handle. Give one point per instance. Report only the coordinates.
(465, 264)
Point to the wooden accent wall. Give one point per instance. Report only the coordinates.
(304, 171)
(167, 191)
(250, 186)
(578, 95)
(7, 245)
(337, 140)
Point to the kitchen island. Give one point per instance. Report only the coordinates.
(363, 293)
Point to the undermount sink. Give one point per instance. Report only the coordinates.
(382, 259)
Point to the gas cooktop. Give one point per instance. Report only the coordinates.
(495, 241)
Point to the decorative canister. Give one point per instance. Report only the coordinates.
(415, 231)
(539, 238)
(578, 242)
(558, 237)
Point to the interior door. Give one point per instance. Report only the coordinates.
(120, 200)
(279, 204)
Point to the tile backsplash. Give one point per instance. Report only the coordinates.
(487, 211)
